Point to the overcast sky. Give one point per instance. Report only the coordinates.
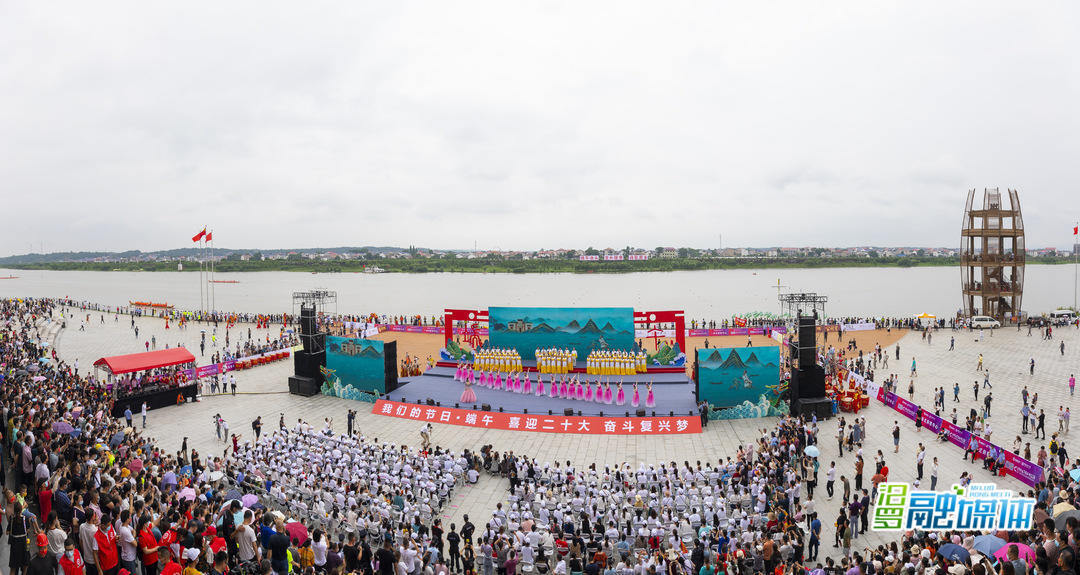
(525, 125)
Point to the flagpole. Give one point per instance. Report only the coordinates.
(198, 256)
(213, 286)
(1076, 242)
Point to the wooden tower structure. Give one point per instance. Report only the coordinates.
(992, 255)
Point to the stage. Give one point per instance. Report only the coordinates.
(673, 392)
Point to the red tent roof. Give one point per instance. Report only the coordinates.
(146, 360)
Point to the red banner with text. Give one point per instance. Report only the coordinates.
(543, 423)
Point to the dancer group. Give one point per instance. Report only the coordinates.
(562, 388)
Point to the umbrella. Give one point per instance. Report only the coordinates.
(954, 552)
(1024, 552)
(116, 440)
(297, 531)
(37, 378)
(249, 499)
(988, 544)
(233, 494)
(135, 464)
(187, 493)
(216, 475)
(185, 471)
(1059, 520)
(1075, 474)
(33, 368)
(812, 451)
(62, 427)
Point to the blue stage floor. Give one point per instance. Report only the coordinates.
(673, 393)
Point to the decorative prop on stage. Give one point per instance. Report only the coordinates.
(358, 365)
(731, 376)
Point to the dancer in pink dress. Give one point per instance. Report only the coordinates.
(636, 400)
(620, 397)
(587, 394)
(468, 396)
(607, 393)
(563, 388)
(526, 387)
(539, 385)
(649, 400)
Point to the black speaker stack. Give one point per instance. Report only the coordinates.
(308, 378)
(390, 373)
(807, 386)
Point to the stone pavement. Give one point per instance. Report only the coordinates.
(264, 392)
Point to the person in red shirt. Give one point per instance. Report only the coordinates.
(44, 498)
(106, 555)
(216, 543)
(171, 566)
(71, 562)
(148, 547)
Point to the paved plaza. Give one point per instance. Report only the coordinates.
(263, 391)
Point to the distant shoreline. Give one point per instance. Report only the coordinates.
(516, 266)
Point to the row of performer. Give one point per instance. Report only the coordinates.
(563, 388)
(555, 360)
(609, 362)
(503, 360)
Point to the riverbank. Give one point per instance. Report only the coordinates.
(455, 265)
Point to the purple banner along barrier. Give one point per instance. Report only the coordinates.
(208, 370)
(433, 329)
(734, 331)
(1015, 466)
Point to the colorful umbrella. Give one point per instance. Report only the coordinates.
(249, 499)
(135, 464)
(954, 552)
(62, 427)
(812, 451)
(988, 544)
(1025, 552)
(187, 493)
(37, 378)
(297, 531)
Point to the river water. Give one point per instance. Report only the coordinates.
(712, 294)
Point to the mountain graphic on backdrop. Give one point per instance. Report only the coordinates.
(369, 351)
(608, 327)
(542, 328)
(589, 327)
(733, 361)
(752, 360)
(714, 356)
(571, 327)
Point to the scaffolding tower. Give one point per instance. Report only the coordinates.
(992, 256)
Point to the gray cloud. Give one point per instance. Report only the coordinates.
(524, 126)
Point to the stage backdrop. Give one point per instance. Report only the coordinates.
(728, 376)
(528, 328)
(356, 363)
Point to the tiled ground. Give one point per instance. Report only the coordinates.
(264, 392)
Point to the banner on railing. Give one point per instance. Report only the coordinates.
(863, 326)
(542, 423)
(1015, 466)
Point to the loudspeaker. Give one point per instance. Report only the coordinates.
(307, 319)
(307, 364)
(568, 411)
(821, 406)
(811, 382)
(641, 413)
(431, 402)
(807, 340)
(390, 374)
(304, 386)
(485, 407)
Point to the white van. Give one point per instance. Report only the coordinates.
(984, 321)
(1066, 315)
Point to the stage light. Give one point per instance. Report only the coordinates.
(549, 412)
(601, 414)
(500, 409)
(627, 414)
(526, 411)
(654, 413)
(579, 413)
(672, 414)
(456, 406)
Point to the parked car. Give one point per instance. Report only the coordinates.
(1038, 321)
(1063, 316)
(984, 321)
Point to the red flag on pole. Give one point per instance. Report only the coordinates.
(199, 235)
(209, 236)
(1076, 229)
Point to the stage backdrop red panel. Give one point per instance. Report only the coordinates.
(542, 423)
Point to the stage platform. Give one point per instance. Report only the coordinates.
(579, 367)
(674, 393)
